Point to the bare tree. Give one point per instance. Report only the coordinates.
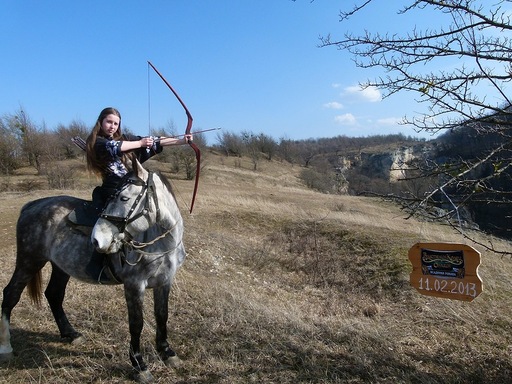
(252, 148)
(10, 149)
(25, 131)
(472, 96)
(267, 145)
(66, 133)
(230, 143)
(476, 39)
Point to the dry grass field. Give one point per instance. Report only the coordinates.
(281, 285)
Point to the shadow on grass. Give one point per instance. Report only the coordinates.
(327, 357)
(49, 353)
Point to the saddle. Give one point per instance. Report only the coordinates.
(85, 216)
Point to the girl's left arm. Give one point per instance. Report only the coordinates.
(167, 141)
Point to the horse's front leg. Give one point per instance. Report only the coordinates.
(134, 294)
(161, 302)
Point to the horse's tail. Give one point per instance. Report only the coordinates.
(35, 288)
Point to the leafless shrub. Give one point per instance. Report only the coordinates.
(29, 185)
(60, 177)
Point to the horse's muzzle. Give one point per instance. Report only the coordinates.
(105, 238)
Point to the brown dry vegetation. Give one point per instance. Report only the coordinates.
(281, 285)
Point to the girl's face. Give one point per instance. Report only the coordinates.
(110, 124)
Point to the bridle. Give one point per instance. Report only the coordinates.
(121, 222)
(149, 192)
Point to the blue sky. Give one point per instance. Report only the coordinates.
(243, 65)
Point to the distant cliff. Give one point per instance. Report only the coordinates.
(390, 164)
(381, 171)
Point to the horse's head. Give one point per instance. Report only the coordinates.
(130, 211)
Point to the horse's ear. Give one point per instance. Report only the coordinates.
(137, 168)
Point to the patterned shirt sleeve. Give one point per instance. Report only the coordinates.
(113, 148)
(110, 152)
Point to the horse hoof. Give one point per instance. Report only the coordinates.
(5, 357)
(78, 340)
(173, 362)
(143, 377)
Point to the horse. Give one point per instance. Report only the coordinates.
(136, 241)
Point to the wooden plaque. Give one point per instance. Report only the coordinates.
(446, 270)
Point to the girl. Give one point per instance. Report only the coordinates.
(106, 149)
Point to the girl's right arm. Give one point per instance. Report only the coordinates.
(144, 142)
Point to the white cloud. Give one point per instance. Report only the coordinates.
(390, 121)
(346, 119)
(333, 105)
(371, 94)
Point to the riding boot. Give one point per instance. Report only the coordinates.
(98, 201)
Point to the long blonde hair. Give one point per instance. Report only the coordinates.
(94, 164)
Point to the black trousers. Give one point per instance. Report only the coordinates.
(100, 196)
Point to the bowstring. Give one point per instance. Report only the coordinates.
(149, 101)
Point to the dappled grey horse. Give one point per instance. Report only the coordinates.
(137, 242)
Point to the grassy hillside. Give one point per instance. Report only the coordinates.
(281, 285)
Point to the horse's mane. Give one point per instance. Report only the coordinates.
(166, 182)
(164, 179)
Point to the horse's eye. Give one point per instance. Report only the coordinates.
(124, 198)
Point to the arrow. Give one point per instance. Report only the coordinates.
(202, 131)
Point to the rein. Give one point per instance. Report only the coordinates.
(139, 245)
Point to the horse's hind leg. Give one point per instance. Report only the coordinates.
(23, 274)
(55, 292)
